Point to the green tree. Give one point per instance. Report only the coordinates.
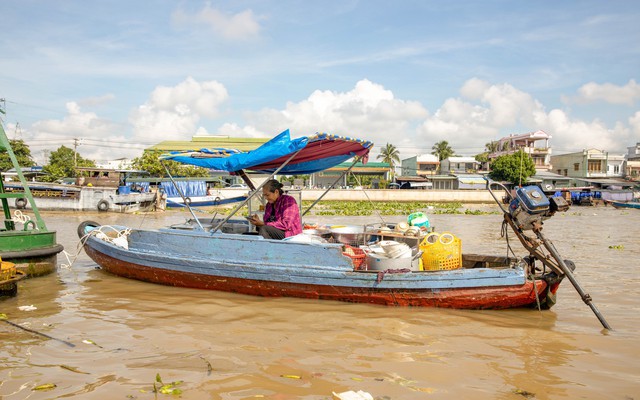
(22, 153)
(62, 163)
(442, 150)
(515, 168)
(492, 147)
(489, 148)
(390, 155)
(150, 162)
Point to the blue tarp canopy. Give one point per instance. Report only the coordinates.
(316, 153)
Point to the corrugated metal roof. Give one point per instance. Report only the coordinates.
(199, 142)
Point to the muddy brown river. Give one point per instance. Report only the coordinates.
(218, 345)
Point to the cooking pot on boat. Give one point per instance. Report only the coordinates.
(353, 235)
(323, 233)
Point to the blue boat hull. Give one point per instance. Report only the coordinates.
(251, 265)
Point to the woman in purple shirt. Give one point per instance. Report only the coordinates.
(281, 214)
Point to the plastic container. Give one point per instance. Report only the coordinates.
(376, 262)
(357, 255)
(234, 227)
(441, 252)
(418, 219)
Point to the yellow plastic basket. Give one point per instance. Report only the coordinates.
(441, 252)
(7, 270)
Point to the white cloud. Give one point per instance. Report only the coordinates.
(368, 111)
(483, 111)
(174, 112)
(94, 135)
(610, 93)
(634, 124)
(241, 26)
(487, 112)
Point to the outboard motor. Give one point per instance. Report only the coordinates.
(531, 206)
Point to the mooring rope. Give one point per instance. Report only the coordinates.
(98, 233)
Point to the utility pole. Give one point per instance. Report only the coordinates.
(76, 143)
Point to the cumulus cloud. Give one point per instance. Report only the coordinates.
(368, 111)
(241, 26)
(610, 93)
(486, 112)
(90, 131)
(174, 112)
(479, 115)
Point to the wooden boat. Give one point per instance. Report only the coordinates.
(208, 257)
(624, 204)
(95, 189)
(25, 242)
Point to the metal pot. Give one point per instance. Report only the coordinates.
(353, 235)
(323, 233)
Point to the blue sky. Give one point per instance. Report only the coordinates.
(123, 75)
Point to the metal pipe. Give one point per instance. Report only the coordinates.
(182, 196)
(585, 296)
(331, 187)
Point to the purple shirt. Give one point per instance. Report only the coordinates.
(285, 215)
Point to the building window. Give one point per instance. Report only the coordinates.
(576, 167)
(616, 169)
(594, 166)
(566, 172)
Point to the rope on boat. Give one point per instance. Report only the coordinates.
(504, 232)
(19, 216)
(120, 241)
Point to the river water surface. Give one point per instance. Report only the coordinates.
(229, 346)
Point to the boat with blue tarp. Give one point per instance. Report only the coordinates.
(203, 254)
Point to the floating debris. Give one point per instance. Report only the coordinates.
(46, 386)
(351, 395)
(291, 376)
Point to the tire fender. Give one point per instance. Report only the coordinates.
(103, 205)
(21, 203)
(82, 228)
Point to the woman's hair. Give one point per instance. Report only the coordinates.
(273, 186)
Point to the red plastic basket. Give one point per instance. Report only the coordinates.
(357, 255)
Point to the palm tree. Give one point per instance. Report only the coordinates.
(442, 150)
(390, 155)
(492, 147)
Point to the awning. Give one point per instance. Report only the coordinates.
(472, 181)
(316, 153)
(608, 182)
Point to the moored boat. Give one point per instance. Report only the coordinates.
(624, 204)
(25, 241)
(234, 260)
(95, 189)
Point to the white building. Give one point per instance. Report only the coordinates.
(590, 163)
(459, 165)
(420, 165)
(536, 144)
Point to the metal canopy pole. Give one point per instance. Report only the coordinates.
(331, 187)
(254, 192)
(182, 196)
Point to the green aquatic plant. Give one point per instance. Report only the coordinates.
(170, 388)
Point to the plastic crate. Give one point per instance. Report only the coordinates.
(357, 255)
(7, 270)
(441, 252)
